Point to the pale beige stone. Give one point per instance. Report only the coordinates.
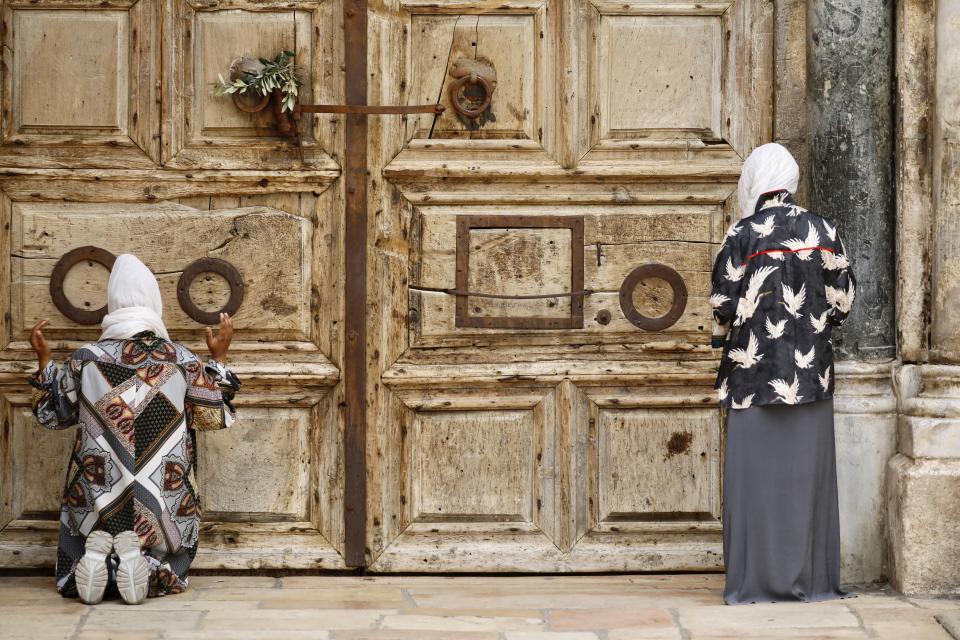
(122, 617)
(294, 619)
(671, 633)
(550, 635)
(771, 619)
(460, 623)
(608, 618)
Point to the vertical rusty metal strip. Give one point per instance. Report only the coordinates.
(463, 267)
(576, 272)
(355, 239)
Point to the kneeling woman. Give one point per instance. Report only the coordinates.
(130, 514)
(781, 283)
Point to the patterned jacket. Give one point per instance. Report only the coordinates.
(138, 403)
(781, 282)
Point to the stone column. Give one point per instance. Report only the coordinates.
(850, 130)
(923, 480)
(849, 133)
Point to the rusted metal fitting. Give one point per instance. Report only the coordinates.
(672, 278)
(474, 74)
(210, 265)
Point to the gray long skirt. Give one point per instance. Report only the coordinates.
(781, 524)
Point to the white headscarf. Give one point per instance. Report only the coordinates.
(769, 168)
(133, 301)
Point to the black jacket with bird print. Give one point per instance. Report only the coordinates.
(781, 282)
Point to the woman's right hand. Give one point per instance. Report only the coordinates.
(220, 343)
(39, 343)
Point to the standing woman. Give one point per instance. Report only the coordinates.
(130, 514)
(781, 283)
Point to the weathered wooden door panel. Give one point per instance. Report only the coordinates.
(270, 484)
(111, 137)
(503, 434)
(561, 432)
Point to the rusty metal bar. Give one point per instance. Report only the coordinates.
(369, 109)
(503, 296)
(355, 285)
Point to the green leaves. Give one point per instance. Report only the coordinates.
(278, 74)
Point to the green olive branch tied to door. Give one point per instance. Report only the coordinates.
(259, 78)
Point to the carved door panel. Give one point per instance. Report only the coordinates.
(111, 138)
(541, 388)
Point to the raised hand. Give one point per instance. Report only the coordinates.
(220, 343)
(39, 343)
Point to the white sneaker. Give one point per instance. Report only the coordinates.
(91, 573)
(133, 572)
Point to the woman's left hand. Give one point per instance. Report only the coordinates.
(39, 343)
(220, 343)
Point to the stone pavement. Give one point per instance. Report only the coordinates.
(678, 607)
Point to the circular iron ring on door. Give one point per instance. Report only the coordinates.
(66, 262)
(210, 265)
(663, 272)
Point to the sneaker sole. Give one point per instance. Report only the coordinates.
(91, 573)
(133, 574)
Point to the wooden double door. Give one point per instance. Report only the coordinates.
(527, 384)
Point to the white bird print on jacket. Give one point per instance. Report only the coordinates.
(748, 357)
(718, 299)
(743, 404)
(819, 324)
(793, 300)
(723, 389)
(804, 248)
(748, 303)
(776, 201)
(733, 230)
(804, 360)
(831, 231)
(735, 274)
(787, 392)
(825, 379)
(775, 331)
(834, 262)
(766, 228)
(840, 298)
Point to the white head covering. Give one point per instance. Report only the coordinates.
(769, 168)
(133, 301)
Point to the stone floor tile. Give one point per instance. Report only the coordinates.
(369, 596)
(567, 598)
(950, 622)
(294, 619)
(234, 582)
(551, 635)
(649, 633)
(682, 581)
(418, 621)
(608, 618)
(114, 634)
(758, 619)
(420, 634)
(938, 604)
(895, 622)
(253, 634)
(123, 617)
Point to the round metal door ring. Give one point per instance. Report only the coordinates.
(665, 273)
(210, 265)
(66, 262)
(250, 103)
(460, 85)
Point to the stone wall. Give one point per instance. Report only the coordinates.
(923, 479)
